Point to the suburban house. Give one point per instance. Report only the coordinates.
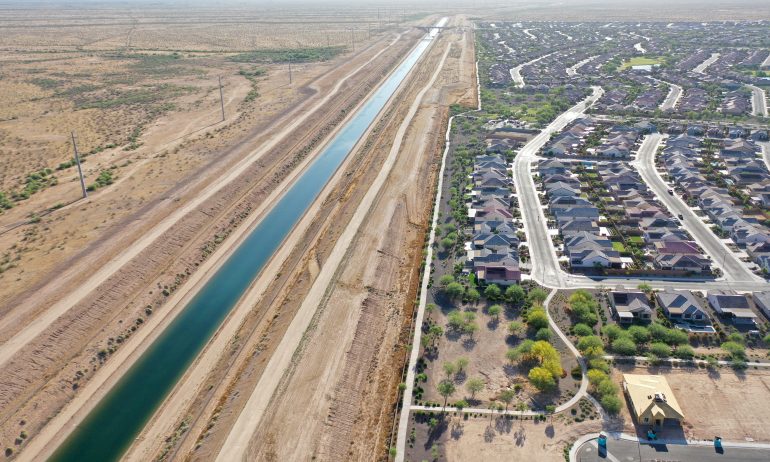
(493, 252)
(629, 306)
(762, 301)
(730, 305)
(681, 306)
(652, 400)
(586, 250)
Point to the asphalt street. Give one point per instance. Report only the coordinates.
(721, 255)
(631, 451)
(545, 265)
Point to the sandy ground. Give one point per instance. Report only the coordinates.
(733, 406)
(338, 360)
(500, 439)
(21, 397)
(209, 427)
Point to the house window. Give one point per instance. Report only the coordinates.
(687, 316)
(646, 419)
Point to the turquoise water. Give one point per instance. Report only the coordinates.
(107, 432)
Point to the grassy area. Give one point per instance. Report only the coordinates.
(639, 61)
(636, 240)
(618, 246)
(297, 55)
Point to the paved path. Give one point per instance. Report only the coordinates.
(732, 268)
(701, 68)
(688, 362)
(758, 101)
(406, 406)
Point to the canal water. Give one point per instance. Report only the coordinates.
(107, 432)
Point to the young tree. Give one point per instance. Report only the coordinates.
(455, 290)
(445, 280)
(474, 385)
(515, 328)
(541, 378)
(537, 296)
(493, 292)
(515, 294)
(455, 320)
(446, 388)
(435, 332)
(507, 396)
(537, 318)
(472, 295)
(462, 363)
(494, 311)
(449, 369)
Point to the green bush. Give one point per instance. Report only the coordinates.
(661, 350)
(611, 404)
(736, 350)
(581, 330)
(684, 352)
(612, 331)
(543, 334)
(640, 334)
(537, 318)
(624, 346)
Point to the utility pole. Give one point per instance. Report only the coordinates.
(289, 71)
(80, 169)
(221, 98)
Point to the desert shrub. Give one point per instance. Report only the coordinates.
(581, 330)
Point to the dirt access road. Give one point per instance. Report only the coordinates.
(338, 375)
(37, 386)
(354, 351)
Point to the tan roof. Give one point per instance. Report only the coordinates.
(651, 393)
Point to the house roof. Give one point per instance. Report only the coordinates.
(626, 301)
(678, 302)
(651, 393)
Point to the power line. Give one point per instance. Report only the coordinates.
(80, 169)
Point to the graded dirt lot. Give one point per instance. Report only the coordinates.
(482, 438)
(722, 402)
(49, 361)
